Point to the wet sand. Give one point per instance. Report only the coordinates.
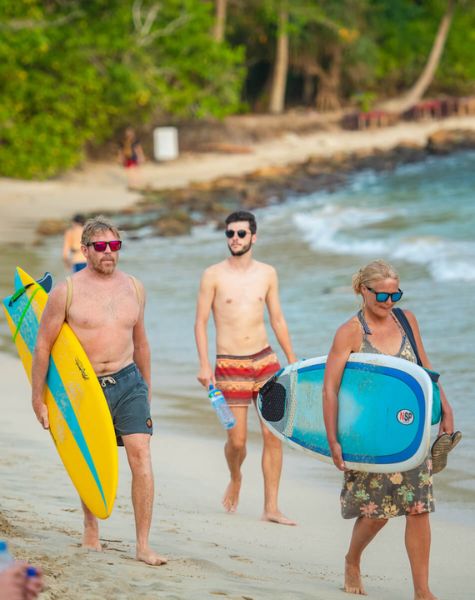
(211, 554)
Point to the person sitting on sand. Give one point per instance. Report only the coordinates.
(72, 255)
(131, 156)
(374, 498)
(105, 309)
(237, 291)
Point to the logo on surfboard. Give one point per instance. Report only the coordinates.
(405, 417)
(81, 368)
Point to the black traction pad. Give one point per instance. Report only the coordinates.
(273, 400)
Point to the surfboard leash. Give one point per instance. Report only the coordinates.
(18, 294)
(24, 311)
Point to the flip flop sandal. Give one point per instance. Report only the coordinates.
(439, 451)
(456, 437)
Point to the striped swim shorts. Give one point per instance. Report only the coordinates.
(241, 377)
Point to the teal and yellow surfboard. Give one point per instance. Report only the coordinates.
(80, 421)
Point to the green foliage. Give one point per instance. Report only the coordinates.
(73, 72)
(404, 31)
(456, 74)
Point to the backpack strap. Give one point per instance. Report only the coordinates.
(69, 295)
(401, 317)
(138, 291)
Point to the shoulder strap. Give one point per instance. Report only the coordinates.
(138, 291)
(401, 317)
(69, 295)
(364, 325)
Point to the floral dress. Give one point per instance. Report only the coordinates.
(385, 495)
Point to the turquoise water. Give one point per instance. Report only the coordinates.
(419, 217)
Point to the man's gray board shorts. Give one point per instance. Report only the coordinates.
(127, 396)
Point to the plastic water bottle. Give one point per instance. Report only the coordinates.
(218, 402)
(6, 559)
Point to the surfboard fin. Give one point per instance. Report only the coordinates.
(46, 282)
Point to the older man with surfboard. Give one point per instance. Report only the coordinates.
(236, 291)
(105, 309)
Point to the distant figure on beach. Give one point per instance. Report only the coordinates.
(105, 309)
(17, 584)
(373, 498)
(237, 290)
(72, 254)
(131, 156)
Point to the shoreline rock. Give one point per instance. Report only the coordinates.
(174, 212)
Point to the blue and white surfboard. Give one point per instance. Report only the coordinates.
(384, 413)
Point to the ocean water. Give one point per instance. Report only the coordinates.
(419, 217)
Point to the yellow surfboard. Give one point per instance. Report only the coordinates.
(80, 421)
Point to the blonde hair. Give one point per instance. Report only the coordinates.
(373, 271)
(95, 225)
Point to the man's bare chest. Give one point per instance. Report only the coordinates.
(103, 310)
(246, 294)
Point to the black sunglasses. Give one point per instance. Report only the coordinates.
(241, 233)
(383, 296)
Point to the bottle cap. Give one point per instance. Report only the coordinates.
(3, 546)
(31, 571)
(211, 387)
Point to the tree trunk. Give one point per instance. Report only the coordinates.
(220, 23)
(281, 64)
(308, 91)
(415, 93)
(328, 95)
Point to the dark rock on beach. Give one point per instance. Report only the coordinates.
(174, 212)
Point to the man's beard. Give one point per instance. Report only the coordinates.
(104, 268)
(241, 252)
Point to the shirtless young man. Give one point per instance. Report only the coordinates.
(105, 309)
(237, 291)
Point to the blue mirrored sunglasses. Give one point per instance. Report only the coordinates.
(383, 296)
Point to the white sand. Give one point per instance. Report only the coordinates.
(211, 554)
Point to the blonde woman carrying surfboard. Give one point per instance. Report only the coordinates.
(374, 498)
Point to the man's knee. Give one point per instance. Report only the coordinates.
(236, 444)
(138, 449)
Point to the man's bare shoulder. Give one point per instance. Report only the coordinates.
(215, 270)
(57, 298)
(58, 292)
(128, 277)
(134, 282)
(265, 267)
